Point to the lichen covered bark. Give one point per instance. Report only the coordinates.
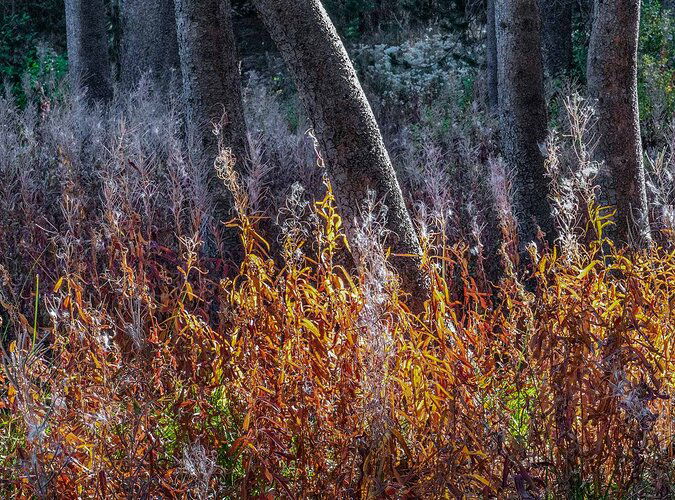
(492, 70)
(523, 114)
(344, 124)
(556, 36)
(149, 42)
(612, 86)
(89, 65)
(212, 88)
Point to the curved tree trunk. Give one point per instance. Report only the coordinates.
(491, 47)
(556, 36)
(523, 114)
(212, 87)
(612, 84)
(149, 42)
(89, 65)
(345, 127)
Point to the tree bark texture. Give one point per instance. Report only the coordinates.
(556, 36)
(491, 47)
(212, 88)
(612, 86)
(149, 41)
(523, 114)
(89, 64)
(350, 140)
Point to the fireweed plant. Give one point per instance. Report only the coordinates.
(137, 365)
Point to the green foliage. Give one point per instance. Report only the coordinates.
(416, 72)
(580, 37)
(356, 18)
(17, 42)
(25, 26)
(656, 64)
(48, 65)
(656, 57)
(351, 14)
(223, 416)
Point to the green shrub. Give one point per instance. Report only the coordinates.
(656, 66)
(26, 28)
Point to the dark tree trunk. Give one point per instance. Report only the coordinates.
(523, 114)
(491, 47)
(212, 87)
(88, 61)
(149, 42)
(556, 36)
(612, 85)
(345, 127)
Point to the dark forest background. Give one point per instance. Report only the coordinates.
(33, 35)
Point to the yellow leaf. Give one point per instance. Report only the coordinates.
(587, 269)
(95, 360)
(11, 394)
(481, 479)
(310, 326)
(397, 434)
(268, 391)
(72, 438)
(614, 304)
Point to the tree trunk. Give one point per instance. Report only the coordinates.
(523, 114)
(212, 87)
(345, 126)
(491, 47)
(612, 85)
(556, 35)
(89, 65)
(149, 42)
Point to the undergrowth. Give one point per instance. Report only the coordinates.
(315, 380)
(138, 364)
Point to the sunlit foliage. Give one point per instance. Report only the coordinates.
(320, 381)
